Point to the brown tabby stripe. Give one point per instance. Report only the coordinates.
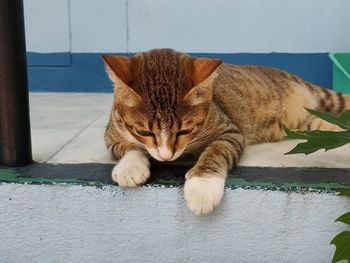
(217, 160)
(267, 123)
(237, 145)
(310, 87)
(280, 93)
(341, 102)
(310, 122)
(274, 82)
(297, 79)
(322, 104)
(305, 122)
(328, 100)
(236, 148)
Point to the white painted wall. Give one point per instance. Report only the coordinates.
(47, 25)
(191, 26)
(85, 224)
(240, 26)
(98, 25)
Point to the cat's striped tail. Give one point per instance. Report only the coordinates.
(316, 98)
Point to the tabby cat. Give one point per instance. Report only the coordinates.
(167, 103)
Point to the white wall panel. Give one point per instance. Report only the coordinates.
(47, 25)
(98, 26)
(240, 26)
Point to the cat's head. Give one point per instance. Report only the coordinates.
(163, 97)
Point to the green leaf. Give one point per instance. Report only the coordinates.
(343, 121)
(345, 192)
(344, 218)
(342, 247)
(317, 140)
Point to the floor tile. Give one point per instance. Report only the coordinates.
(87, 147)
(273, 155)
(57, 118)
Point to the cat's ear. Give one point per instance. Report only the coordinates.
(118, 68)
(119, 71)
(203, 68)
(203, 74)
(124, 95)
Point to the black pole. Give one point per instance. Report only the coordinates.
(15, 142)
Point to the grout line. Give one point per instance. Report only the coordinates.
(70, 30)
(74, 137)
(127, 26)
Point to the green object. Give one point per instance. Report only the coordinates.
(342, 244)
(345, 192)
(328, 140)
(11, 176)
(342, 240)
(343, 121)
(344, 218)
(316, 139)
(341, 71)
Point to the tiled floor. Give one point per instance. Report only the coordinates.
(69, 128)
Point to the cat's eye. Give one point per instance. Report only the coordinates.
(144, 132)
(184, 132)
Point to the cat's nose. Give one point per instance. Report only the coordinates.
(164, 153)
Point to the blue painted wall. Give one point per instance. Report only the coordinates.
(85, 71)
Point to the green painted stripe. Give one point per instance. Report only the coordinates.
(240, 182)
(172, 175)
(12, 176)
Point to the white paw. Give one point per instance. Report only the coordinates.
(132, 170)
(202, 194)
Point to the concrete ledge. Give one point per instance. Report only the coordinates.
(74, 223)
(72, 213)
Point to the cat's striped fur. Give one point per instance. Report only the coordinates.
(168, 103)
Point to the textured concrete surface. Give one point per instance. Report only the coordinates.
(87, 224)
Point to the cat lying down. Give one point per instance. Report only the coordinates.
(167, 103)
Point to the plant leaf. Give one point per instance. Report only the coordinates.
(342, 246)
(343, 121)
(345, 192)
(344, 218)
(317, 140)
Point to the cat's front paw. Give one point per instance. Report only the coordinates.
(203, 194)
(132, 170)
